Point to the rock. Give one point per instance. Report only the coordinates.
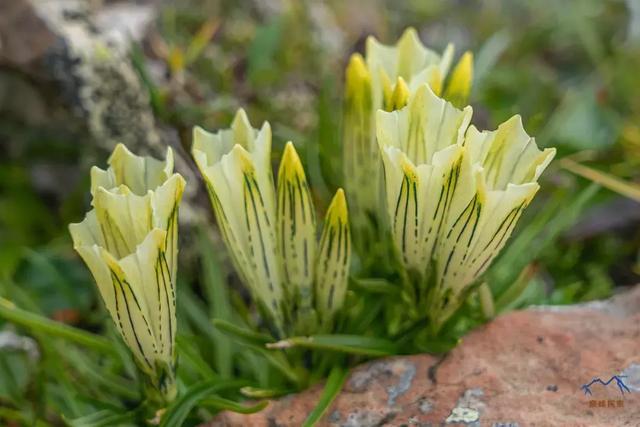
(525, 368)
(23, 35)
(78, 53)
(70, 45)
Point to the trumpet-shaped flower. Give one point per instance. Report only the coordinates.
(454, 194)
(271, 233)
(129, 241)
(385, 79)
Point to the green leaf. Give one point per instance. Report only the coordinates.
(516, 289)
(487, 304)
(261, 58)
(97, 375)
(190, 355)
(139, 61)
(19, 416)
(557, 215)
(105, 418)
(611, 182)
(179, 410)
(258, 342)
(333, 386)
(10, 312)
(15, 374)
(217, 295)
(352, 344)
(201, 39)
(243, 335)
(263, 393)
(374, 285)
(221, 404)
(195, 311)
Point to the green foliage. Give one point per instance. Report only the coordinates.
(335, 380)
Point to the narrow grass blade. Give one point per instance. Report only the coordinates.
(105, 418)
(352, 344)
(245, 336)
(332, 387)
(37, 323)
(201, 40)
(20, 418)
(486, 301)
(516, 289)
(562, 211)
(221, 404)
(258, 342)
(217, 296)
(192, 357)
(608, 181)
(195, 311)
(97, 375)
(264, 393)
(179, 410)
(374, 286)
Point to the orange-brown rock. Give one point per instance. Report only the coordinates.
(525, 368)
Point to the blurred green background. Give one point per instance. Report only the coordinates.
(569, 68)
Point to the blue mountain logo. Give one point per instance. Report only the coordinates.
(617, 378)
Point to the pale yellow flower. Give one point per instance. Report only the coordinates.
(129, 241)
(454, 194)
(271, 233)
(384, 79)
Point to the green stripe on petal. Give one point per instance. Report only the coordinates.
(235, 164)
(470, 189)
(124, 219)
(332, 265)
(148, 271)
(129, 242)
(404, 207)
(131, 315)
(296, 228)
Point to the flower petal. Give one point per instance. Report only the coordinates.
(508, 154)
(332, 264)
(139, 173)
(148, 272)
(241, 188)
(125, 219)
(426, 125)
(479, 236)
(130, 314)
(87, 232)
(360, 152)
(165, 203)
(403, 185)
(459, 85)
(408, 59)
(296, 228)
(398, 98)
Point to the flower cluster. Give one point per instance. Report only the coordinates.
(454, 195)
(129, 241)
(385, 79)
(271, 232)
